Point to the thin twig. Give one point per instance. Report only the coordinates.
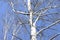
(54, 36)
(17, 37)
(12, 5)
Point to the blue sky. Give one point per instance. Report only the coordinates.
(2, 13)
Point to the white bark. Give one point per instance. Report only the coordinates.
(33, 28)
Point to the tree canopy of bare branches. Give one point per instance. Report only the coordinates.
(32, 20)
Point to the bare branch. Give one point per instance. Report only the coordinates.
(48, 26)
(39, 16)
(19, 12)
(17, 37)
(54, 36)
(43, 11)
(38, 3)
(49, 7)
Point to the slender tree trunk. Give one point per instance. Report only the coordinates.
(33, 28)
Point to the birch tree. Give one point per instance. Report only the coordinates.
(39, 19)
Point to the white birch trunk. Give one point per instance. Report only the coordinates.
(33, 28)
